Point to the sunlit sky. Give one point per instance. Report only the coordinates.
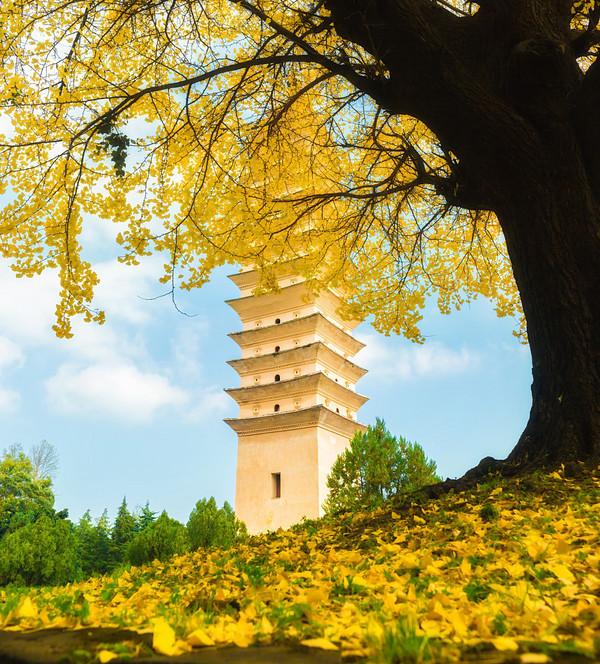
(135, 406)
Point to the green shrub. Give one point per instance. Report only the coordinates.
(210, 526)
(40, 553)
(375, 467)
(160, 540)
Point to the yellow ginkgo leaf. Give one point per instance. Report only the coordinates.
(562, 572)
(323, 644)
(26, 609)
(534, 658)
(163, 638)
(105, 656)
(505, 643)
(199, 638)
(318, 595)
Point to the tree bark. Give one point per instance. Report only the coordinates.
(553, 236)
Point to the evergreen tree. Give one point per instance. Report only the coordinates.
(94, 544)
(376, 467)
(85, 534)
(210, 526)
(160, 540)
(123, 531)
(43, 552)
(144, 517)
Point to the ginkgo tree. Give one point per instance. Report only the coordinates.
(400, 150)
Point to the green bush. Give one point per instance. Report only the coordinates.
(162, 539)
(210, 526)
(376, 467)
(40, 553)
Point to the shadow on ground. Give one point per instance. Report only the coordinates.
(57, 646)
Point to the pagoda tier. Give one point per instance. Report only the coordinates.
(297, 361)
(311, 390)
(298, 404)
(286, 304)
(297, 331)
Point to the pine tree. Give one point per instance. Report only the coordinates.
(123, 531)
(376, 467)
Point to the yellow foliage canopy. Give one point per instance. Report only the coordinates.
(227, 132)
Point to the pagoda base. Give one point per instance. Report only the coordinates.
(283, 463)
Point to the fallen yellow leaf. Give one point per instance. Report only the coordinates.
(562, 572)
(323, 644)
(199, 638)
(105, 656)
(26, 609)
(534, 658)
(505, 643)
(163, 638)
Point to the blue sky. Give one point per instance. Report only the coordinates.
(135, 407)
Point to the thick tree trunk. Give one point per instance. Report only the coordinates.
(553, 234)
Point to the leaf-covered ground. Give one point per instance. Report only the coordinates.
(512, 565)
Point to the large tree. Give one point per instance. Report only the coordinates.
(398, 149)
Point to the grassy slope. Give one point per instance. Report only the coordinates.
(510, 565)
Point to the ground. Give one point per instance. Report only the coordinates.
(504, 571)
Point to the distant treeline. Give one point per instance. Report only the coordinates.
(41, 546)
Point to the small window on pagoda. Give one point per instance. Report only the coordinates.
(277, 321)
(258, 323)
(337, 410)
(295, 342)
(277, 378)
(296, 404)
(276, 409)
(296, 372)
(277, 349)
(256, 379)
(275, 485)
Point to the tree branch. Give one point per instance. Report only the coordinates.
(376, 89)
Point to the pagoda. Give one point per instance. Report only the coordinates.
(297, 398)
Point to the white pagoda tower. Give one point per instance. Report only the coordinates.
(297, 399)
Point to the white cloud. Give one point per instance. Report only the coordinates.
(122, 288)
(188, 344)
(10, 357)
(212, 403)
(9, 401)
(114, 389)
(388, 361)
(10, 353)
(27, 312)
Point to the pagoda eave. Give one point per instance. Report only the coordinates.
(296, 419)
(310, 352)
(312, 323)
(285, 300)
(295, 387)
